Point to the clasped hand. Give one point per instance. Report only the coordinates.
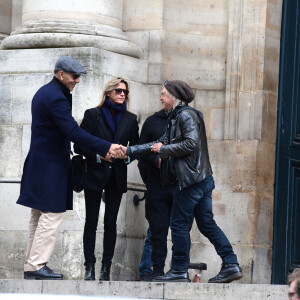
(119, 151)
(116, 151)
(156, 147)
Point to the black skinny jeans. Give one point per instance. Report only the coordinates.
(92, 206)
(159, 202)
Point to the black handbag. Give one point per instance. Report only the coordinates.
(79, 167)
(79, 173)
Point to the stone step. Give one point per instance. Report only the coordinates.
(139, 290)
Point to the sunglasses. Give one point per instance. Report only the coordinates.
(291, 294)
(119, 92)
(75, 76)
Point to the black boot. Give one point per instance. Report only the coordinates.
(173, 276)
(228, 273)
(105, 271)
(89, 271)
(156, 272)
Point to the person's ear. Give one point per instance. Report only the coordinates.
(60, 75)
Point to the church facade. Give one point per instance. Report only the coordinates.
(228, 51)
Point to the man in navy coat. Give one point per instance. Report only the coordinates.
(46, 185)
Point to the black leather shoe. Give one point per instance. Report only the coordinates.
(149, 277)
(105, 271)
(228, 273)
(173, 276)
(146, 277)
(44, 273)
(89, 271)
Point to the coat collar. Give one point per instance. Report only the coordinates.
(63, 88)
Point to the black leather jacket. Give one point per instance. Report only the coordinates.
(185, 141)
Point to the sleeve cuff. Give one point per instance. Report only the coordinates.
(127, 161)
(98, 159)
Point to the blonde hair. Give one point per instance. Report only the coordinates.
(110, 86)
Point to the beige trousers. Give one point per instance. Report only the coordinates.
(42, 235)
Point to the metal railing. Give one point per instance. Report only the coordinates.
(136, 199)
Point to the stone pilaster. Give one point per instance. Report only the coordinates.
(244, 69)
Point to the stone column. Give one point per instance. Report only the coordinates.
(57, 24)
(5, 18)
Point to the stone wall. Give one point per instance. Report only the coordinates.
(228, 51)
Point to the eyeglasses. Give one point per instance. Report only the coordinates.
(119, 92)
(291, 294)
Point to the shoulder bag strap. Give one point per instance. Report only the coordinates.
(96, 121)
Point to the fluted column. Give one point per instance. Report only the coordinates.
(72, 23)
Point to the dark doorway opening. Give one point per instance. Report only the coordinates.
(286, 236)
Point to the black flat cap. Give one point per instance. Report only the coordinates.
(180, 90)
(69, 64)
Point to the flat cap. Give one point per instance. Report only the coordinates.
(180, 90)
(69, 64)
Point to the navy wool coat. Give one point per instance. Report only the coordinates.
(47, 182)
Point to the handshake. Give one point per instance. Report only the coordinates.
(120, 152)
(115, 151)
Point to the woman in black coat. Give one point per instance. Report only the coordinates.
(111, 121)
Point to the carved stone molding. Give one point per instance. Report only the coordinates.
(49, 24)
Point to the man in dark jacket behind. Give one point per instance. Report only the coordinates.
(184, 158)
(159, 197)
(46, 185)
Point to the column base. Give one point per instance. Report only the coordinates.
(66, 40)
